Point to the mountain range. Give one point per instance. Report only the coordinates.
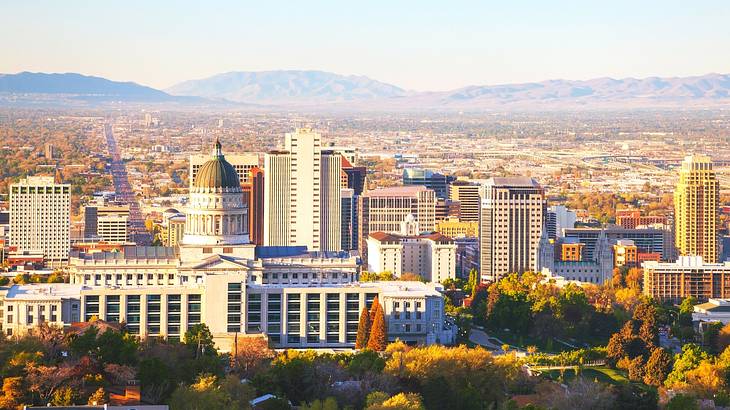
(286, 87)
(82, 86)
(293, 89)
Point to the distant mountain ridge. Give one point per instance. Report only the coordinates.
(600, 90)
(80, 85)
(320, 90)
(286, 86)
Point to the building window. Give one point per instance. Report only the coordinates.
(313, 318)
(253, 322)
(293, 318)
(233, 318)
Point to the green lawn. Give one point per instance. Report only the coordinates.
(523, 341)
(602, 374)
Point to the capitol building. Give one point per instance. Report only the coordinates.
(295, 297)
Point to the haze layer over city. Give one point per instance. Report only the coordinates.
(374, 206)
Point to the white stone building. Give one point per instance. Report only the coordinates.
(296, 297)
(432, 255)
(26, 306)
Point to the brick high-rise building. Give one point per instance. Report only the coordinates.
(632, 218)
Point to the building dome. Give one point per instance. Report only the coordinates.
(217, 173)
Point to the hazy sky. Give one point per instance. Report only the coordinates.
(420, 45)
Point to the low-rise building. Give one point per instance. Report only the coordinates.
(625, 253)
(455, 228)
(432, 255)
(688, 276)
(26, 306)
(714, 310)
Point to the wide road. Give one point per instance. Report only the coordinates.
(124, 191)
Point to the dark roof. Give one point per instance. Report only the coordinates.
(385, 237)
(131, 252)
(264, 252)
(392, 237)
(516, 182)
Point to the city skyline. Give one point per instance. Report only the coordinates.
(418, 48)
(367, 206)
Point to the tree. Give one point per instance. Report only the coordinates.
(251, 354)
(330, 403)
(687, 306)
(706, 380)
(723, 338)
(375, 398)
(473, 282)
(711, 336)
(636, 369)
(413, 277)
(13, 392)
(119, 374)
(46, 380)
(657, 367)
(691, 357)
(373, 308)
(51, 337)
(116, 347)
(363, 329)
(99, 397)
(401, 401)
(682, 402)
(156, 379)
(240, 393)
(64, 396)
(199, 339)
(634, 277)
(204, 394)
(378, 338)
(471, 374)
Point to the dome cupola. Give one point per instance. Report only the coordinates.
(217, 174)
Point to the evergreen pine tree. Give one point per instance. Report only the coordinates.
(378, 339)
(373, 308)
(363, 329)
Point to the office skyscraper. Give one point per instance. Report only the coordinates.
(695, 209)
(112, 223)
(432, 180)
(302, 194)
(510, 225)
(348, 220)
(330, 204)
(353, 177)
(40, 218)
(277, 198)
(559, 217)
(255, 188)
(467, 193)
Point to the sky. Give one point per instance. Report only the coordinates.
(418, 45)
